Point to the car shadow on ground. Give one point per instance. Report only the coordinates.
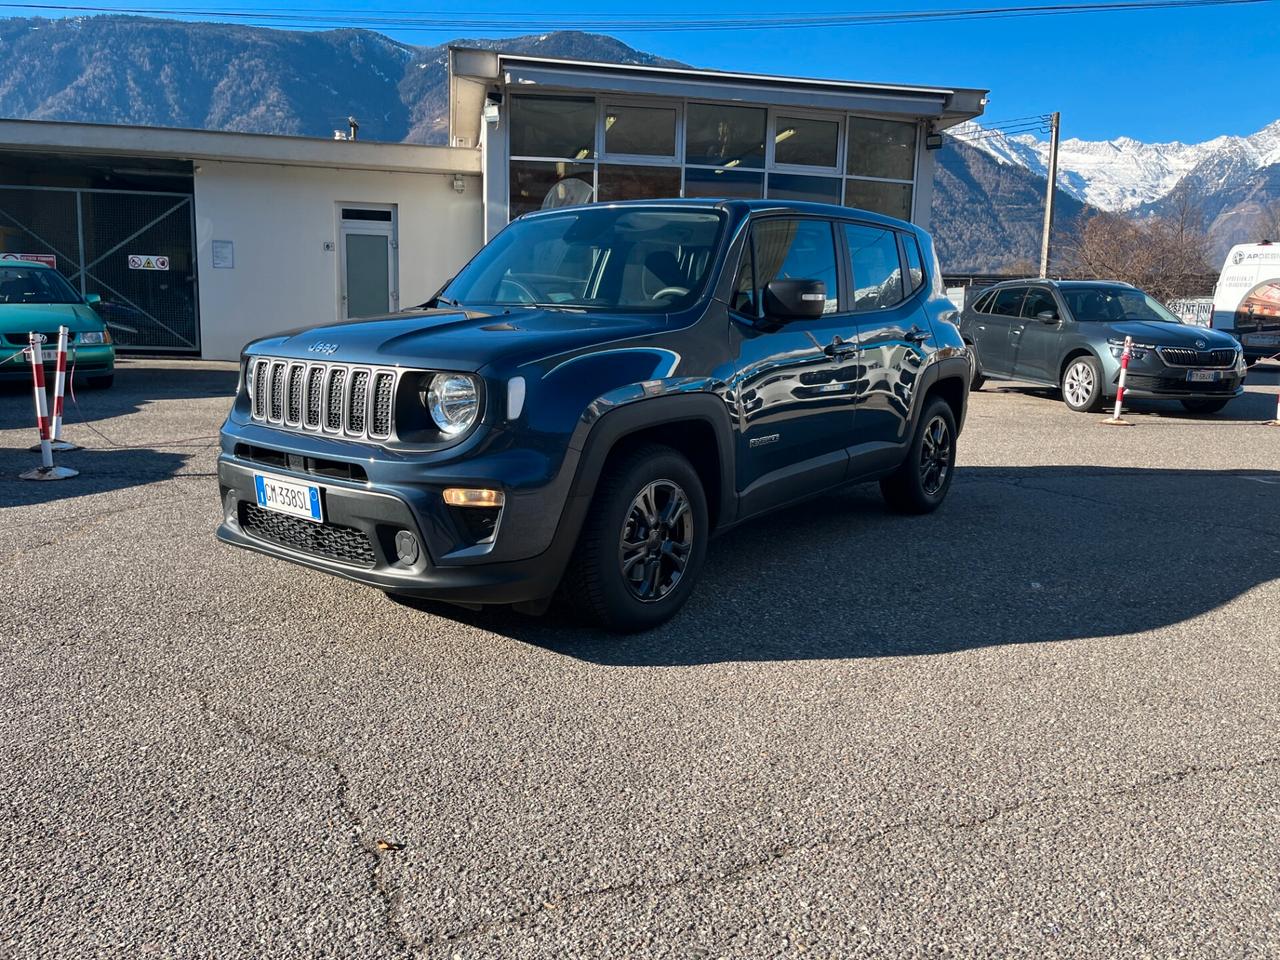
(134, 386)
(101, 471)
(1017, 555)
(1251, 406)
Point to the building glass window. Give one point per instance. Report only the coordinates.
(718, 135)
(563, 127)
(805, 142)
(874, 263)
(891, 199)
(579, 149)
(634, 182)
(540, 185)
(881, 148)
(800, 186)
(796, 250)
(639, 131)
(730, 184)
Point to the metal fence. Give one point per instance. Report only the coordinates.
(135, 249)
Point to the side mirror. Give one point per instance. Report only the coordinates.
(92, 299)
(1047, 316)
(794, 299)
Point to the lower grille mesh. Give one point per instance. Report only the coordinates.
(328, 540)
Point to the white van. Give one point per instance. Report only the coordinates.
(1246, 301)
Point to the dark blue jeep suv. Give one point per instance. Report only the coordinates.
(598, 391)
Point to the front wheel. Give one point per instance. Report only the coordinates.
(103, 382)
(1082, 385)
(921, 482)
(1203, 405)
(642, 544)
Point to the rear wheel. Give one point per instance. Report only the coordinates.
(921, 482)
(1205, 405)
(642, 544)
(1082, 385)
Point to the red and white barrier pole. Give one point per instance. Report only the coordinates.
(59, 391)
(1115, 418)
(46, 470)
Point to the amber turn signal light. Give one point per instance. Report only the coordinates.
(473, 497)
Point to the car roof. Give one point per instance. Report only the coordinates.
(26, 263)
(746, 206)
(1062, 284)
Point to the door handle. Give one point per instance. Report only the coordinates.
(916, 335)
(839, 347)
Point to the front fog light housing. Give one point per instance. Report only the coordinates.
(453, 402)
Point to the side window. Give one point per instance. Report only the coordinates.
(983, 303)
(877, 271)
(744, 288)
(915, 265)
(796, 250)
(1038, 300)
(1008, 302)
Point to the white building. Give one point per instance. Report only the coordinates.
(199, 241)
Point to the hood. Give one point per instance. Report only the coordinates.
(47, 317)
(464, 340)
(1170, 334)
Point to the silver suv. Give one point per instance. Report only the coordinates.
(1070, 334)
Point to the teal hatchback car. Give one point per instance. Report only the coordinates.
(36, 298)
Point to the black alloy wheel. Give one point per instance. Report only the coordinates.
(656, 540)
(642, 544)
(922, 480)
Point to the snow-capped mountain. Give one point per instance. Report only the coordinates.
(1124, 174)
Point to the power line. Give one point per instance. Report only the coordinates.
(677, 23)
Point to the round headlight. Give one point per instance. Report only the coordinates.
(453, 402)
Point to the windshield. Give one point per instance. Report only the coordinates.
(1107, 304)
(35, 285)
(594, 258)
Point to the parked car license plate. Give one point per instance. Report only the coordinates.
(295, 499)
(1204, 376)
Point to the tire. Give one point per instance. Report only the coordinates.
(627, 590)
(1082, 387)
(103, 382)
(922, 480)
(1206, 405)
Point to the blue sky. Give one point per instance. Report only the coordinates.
(1153, 75)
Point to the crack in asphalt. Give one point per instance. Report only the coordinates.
(387, 893)
(785, 851)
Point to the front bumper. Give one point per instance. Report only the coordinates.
(385, 499)
(1153, 378)
(93, 361)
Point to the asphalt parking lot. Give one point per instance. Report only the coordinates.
(1042, 722)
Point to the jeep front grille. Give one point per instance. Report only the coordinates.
(1187, 357)
(327, 398)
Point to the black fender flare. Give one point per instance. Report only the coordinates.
(944, 368)
(600, 437)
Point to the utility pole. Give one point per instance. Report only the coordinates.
(1048, 196)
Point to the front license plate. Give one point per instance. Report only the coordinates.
(295, 499)
(1204, 376)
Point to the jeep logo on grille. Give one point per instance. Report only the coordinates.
(320, 346)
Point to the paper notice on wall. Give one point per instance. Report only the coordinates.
(224, 254)
(147, 261)
(48, 259)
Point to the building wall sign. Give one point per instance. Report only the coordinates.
(146, 261)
